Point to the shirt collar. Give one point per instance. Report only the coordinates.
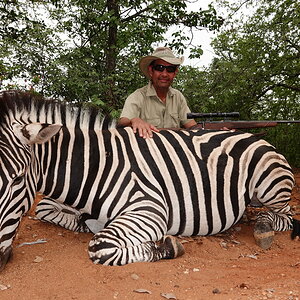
(152, 92)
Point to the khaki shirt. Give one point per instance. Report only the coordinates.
(145, 104)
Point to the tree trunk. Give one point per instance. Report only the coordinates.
(111, 51)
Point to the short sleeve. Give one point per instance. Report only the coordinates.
(132, 106)
(183, 110)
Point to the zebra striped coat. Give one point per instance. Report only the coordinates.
(132, 192)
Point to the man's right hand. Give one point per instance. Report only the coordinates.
(144, 129)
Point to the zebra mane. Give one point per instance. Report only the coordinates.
(28, 107)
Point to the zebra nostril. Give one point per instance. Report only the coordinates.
(5, 255)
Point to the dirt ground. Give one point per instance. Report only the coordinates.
(226, 266)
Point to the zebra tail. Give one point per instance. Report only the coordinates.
(296, 229)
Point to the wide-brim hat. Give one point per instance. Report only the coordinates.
(163, 53)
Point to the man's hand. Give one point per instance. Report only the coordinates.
(144, 129)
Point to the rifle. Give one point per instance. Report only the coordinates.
(217, 125)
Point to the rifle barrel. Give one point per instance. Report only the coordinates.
(243, 124)
(287, 121)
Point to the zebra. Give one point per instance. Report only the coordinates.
(134, 195)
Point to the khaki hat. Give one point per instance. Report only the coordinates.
(163, 53)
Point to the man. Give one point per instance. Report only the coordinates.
(157, 105)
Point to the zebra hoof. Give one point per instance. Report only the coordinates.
(5, 256)
(263, 235)
(171, 247)
(296, 229)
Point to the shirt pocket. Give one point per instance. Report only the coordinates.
(154, 121)
(175, 120)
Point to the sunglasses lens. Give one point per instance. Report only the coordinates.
(160, 68)
(171, 69)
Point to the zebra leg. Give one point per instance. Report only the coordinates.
(278, 219)
(48, 210)
(130, 238)
(296, 229)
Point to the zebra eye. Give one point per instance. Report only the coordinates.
(18, 179)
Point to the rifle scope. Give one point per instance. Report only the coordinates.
(193, 115)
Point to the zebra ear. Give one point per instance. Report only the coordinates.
(36, 132)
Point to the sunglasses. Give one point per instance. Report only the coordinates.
(161, 68)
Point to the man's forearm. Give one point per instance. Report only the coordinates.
(190, 124)
(123, 122)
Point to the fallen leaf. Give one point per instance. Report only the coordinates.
(252, 256)
(4, 287)
(143, 291)
(184, 241)
(168, 295)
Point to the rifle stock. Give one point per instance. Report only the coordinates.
(241, 124)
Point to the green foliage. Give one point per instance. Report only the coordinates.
(258, 61)
(89, 50)
(256, 71)
(28, 47)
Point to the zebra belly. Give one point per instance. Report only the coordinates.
(190, 220)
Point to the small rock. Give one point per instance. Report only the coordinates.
(244, 286)
(216, 291)
(38, 259)
(135, 276)
(196, 270)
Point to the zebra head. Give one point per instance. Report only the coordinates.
(18, 170)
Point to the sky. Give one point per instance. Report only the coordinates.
(205, 36)
(202, 38)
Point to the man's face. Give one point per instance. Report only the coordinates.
(162, 79)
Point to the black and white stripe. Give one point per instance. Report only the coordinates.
(132, 192)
